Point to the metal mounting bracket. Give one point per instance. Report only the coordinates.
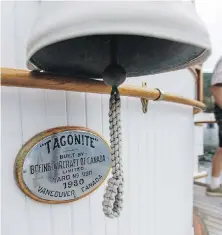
(144, 101)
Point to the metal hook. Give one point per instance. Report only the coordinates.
(144, 101)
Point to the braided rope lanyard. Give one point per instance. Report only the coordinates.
(113, 197)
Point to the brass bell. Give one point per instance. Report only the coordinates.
(84, 38)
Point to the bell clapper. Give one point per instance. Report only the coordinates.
(114, 74)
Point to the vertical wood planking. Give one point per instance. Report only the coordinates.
(56, 115)
(94, 121)
(125, 214)
(163, 148)
(172, 168)
(146, 158)
(32, 109)
(76, 116)
(134, 138)
(150, 156)
(14, 211)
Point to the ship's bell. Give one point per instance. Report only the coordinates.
(144, 37)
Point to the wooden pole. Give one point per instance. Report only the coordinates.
(24, 78)
(199, 84)
(203, 122)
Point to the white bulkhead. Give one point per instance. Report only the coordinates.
(158, 149)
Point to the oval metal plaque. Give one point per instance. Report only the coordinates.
(62, 164)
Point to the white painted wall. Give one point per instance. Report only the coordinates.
(158, 149)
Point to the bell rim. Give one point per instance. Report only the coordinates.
(46, 42)
(102, 24)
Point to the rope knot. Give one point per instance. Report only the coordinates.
(113, 197)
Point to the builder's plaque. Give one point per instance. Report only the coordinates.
(62, 164)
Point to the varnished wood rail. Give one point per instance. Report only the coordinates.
(24, 78)
(200, 123)
(197, 72)
(200, 175)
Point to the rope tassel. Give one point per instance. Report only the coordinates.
(113, 197)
